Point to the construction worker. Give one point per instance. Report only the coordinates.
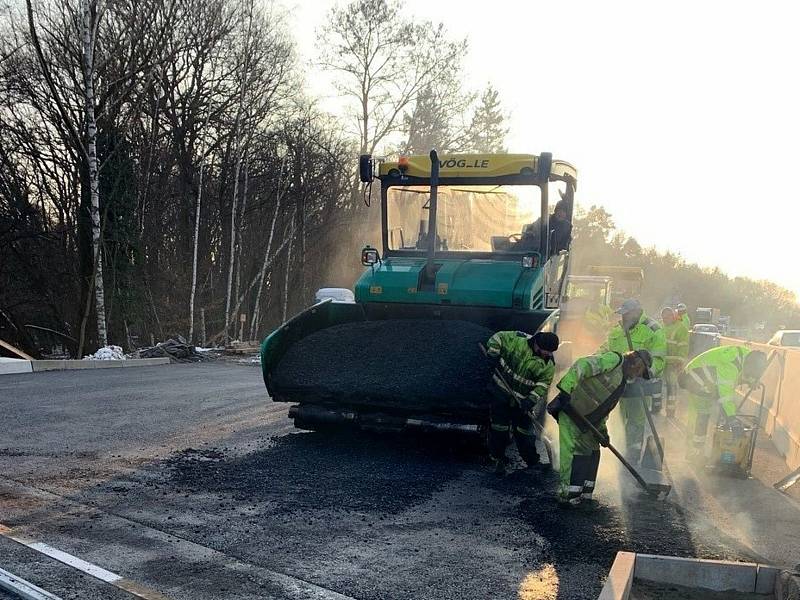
(560, 228)
(599, 319)
(560, 231)
(637, 331)
(523, 374)
(592, 387)
(677, 354)
(681, 310)
(712, 377)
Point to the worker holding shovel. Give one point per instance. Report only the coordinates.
(637, 331)
(588, 392)
(524, 369)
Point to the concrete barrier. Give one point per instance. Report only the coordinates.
(782, 404)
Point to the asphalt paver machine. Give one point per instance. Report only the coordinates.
(466, 251)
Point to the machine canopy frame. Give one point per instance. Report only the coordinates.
(475, 170)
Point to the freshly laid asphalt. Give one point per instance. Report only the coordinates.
(189, 480)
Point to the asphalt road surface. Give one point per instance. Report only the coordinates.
(187, 480)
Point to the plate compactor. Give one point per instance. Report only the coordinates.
(733, 447)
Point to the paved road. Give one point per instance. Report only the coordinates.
(186, 479)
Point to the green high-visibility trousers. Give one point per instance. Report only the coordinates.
(698, 414)
(631, 409)
(579, 458)
(671, 380)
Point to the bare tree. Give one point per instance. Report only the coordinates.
(383, 60)
(254, 321)
(288, 269)
(113, 48)
(263, 75)
(89, 24)
(196, 238)
(166, 100)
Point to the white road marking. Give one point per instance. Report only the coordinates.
(75, 562)
(295, 585)
(23, 589)
(83, 566)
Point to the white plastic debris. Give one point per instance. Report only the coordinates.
(253, 360)
(107, 353)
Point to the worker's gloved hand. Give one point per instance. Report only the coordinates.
(558, 404)
(527, 404)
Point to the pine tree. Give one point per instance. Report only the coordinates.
(427, 125)
(487, 131)
(440, 116)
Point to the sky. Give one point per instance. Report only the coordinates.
(683, 118)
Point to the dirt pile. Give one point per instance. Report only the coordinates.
(177, 350)
(407, 364)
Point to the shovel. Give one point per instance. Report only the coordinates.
(653, 455)
(659, 489)
(788, 481)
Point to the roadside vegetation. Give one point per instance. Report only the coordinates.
(756, 307)
(164, 168)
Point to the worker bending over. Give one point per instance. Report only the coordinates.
(524, 371)
(637, 331)
(592, 387)
(712, 377)
(677, 354)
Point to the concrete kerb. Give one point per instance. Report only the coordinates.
(717, 575)
(61, 365)
(620, 578)
(12, 366)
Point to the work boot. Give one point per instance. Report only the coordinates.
(500, 466)
(537, 467)
(565, 504)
